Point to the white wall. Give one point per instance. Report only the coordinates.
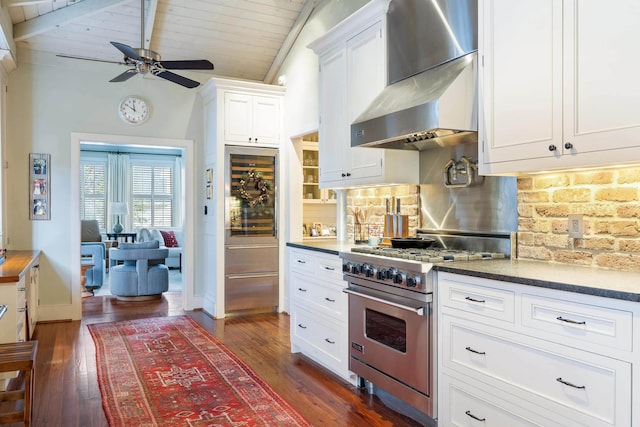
(49, 98)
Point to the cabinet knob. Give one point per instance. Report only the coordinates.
(343, 174)
(249, 139)
(568, 145)
(348, 173)
(552, 147)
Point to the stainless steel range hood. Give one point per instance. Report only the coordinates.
(432, 65)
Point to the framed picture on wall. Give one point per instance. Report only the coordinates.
(39, 186)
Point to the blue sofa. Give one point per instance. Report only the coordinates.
(96, 251)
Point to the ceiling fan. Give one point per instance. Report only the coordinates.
(145, 61)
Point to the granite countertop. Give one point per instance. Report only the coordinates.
(332, 247)
(623, 285)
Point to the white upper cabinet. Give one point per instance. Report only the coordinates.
(353, 72)
(243, 113)
(251, 119)
(558, 86)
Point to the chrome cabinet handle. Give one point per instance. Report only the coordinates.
(301, 261)
(22, 289)
(301, 326)
(474, 417)
(329, 299)
(302, 290)
(22, 309)
(560, 380)
(474, 300)
(474, 351)
(329, 268)
(575, 322)
(329, 341)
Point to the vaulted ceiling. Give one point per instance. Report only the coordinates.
(245, 39)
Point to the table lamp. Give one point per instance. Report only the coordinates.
(118, 208)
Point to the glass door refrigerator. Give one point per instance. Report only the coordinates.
(251, 230)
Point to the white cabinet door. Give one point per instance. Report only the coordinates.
(521, 79)
(251, 119)
(237, 117)
(266, 120)
(366, 77)
(601, 84)
(334, 157)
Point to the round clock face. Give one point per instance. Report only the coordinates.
(133, 110)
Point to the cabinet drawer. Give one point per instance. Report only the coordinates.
(330, 268)
(465, 409)
(583, 322)
(301, 262)
(328, 339)
(481, 300)
(571, 380)
(329, 300)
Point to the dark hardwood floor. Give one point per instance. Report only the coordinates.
(67, 392)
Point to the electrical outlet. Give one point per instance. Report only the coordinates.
(576, 229)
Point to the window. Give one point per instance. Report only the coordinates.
(152, 193)
(93, 197)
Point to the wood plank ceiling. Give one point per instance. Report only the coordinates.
(243, 38)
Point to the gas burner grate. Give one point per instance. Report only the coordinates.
(432, 255)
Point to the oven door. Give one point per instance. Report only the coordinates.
(390, 334)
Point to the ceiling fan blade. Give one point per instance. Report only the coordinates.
(127, 51)
(124, 76)
(172, 77)
(84, 58)
(194, 64)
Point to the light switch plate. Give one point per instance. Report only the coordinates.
(576, 229)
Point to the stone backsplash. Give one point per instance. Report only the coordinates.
(609, 201)
(371, 201)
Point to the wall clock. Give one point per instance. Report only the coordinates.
(133, 110)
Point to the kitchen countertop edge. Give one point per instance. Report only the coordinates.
(594, 281)
(331, 247)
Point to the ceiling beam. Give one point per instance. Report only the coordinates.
(7, 45)
(305, 12)
(61, 17)
(150, 16)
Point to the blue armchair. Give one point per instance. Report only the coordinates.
(143, 276)
(93, 247)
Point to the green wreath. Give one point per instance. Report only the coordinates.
(258, 183)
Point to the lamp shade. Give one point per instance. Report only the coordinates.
(119, 208)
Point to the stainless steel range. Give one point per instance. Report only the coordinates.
(391, 323)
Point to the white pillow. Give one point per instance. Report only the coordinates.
(156, 235)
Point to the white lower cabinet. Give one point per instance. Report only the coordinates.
(319, 317)
(555, 358)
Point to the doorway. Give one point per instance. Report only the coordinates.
(189, 301)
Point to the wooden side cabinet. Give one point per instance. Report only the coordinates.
(19, 283)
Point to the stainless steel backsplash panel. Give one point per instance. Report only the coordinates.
(486, 207)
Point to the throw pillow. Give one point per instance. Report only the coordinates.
(170, 240)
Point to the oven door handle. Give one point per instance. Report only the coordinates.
(417, 310)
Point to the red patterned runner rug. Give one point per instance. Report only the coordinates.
(169, 371)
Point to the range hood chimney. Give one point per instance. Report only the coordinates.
(432, 64)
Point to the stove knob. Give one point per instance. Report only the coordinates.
(371, 271)
(413, 281)
(356, 269)
(346, 267)
(381, 274)
(366, 269)
(399, 278)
